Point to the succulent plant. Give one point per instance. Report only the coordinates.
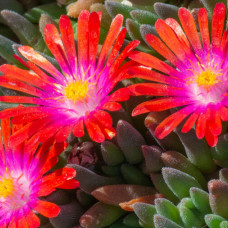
(137, 184)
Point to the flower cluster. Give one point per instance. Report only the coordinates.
(79, 89)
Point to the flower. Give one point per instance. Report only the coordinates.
(196, 78)
(23, 180)
(64, 102)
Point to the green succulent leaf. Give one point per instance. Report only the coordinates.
(144, 17)
(51, 9)
(111, 154)
(219, 152)
(224, 224)
(131, 220)
(162, 187)
(164, 10)
(13, 5)
(200, 199)
(6, 50)
(189, 218)
(100, 215)
(145, 213)
(167, 209)
(197, 151)
(178, 161)
(179, 182)
(213, 221)
(115, 8)
(133, 175)
(161, 222)
(24, 29)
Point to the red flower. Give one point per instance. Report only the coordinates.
(197, 81)
(65, 102)
(23, 180)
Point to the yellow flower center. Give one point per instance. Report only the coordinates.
(207, 79)
(6, 187)
(77, 90)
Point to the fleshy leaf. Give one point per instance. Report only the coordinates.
(100, 215)
(130, 142)
(116, 194)
(179, 182)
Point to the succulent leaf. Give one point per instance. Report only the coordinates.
(145, 213)
(130, 142)
(161, 222)
(179, 182)
(167, 209)
(100, 215)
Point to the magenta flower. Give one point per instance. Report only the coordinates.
(65, 102)
(22, 180)
(196, 80)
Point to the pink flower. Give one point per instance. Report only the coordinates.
(65, 102)
(22, 180)
(196, 78)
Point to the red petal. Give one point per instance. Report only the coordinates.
(83, 41)
(6, 131)
(171, 40)
(161, 48)
(203, 24)
(32, 220)
(59, 176)
(39, 60)
(148, 74)
(103, 118)
(70, 184)
(67, 34)
(27, 131)
(111, 106)
(180, 34)
(54, 43)
(78, 129)
(46, 209)
(156, 89)
(210, 138)
(159, 104)
(94, 130)
(190, 122)
(171, 122)
(189, 27)
(201, 125)
(94, 33)
(120, 95)
(116, 47)
(19, 86)
(110, 38)
(22, 223)
(217, 25)
(127, 50)
(215, 124)
(151, 61)
(223, 113)
(63, 133)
